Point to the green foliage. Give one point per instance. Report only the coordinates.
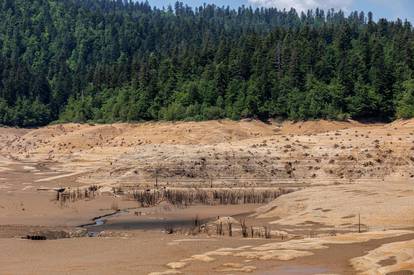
(174, 111)
(405, 104)
(365, 102)
(25, 113)
(109, 61)
(78, 110)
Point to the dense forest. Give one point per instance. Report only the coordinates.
(108, 61)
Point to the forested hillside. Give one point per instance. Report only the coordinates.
(106, 61)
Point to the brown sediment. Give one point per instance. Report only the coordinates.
(347, 177)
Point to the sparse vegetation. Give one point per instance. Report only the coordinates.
(72, 195)
(190, 196)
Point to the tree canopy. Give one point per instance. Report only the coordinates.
(108, 61)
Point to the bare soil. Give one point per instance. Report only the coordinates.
(348, 177)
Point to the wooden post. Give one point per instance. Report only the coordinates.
(156, 178)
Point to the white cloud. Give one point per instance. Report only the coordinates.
(304, 5)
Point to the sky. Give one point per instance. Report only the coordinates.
(390, 9)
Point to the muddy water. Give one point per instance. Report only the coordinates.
(158, 218)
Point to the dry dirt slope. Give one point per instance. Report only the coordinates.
(247, 152)
(321, 154)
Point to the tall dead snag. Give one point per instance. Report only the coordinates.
(244, 229)
(219, 229)
(197, 225)
(267, 232)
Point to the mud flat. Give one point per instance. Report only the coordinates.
(349, 207)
